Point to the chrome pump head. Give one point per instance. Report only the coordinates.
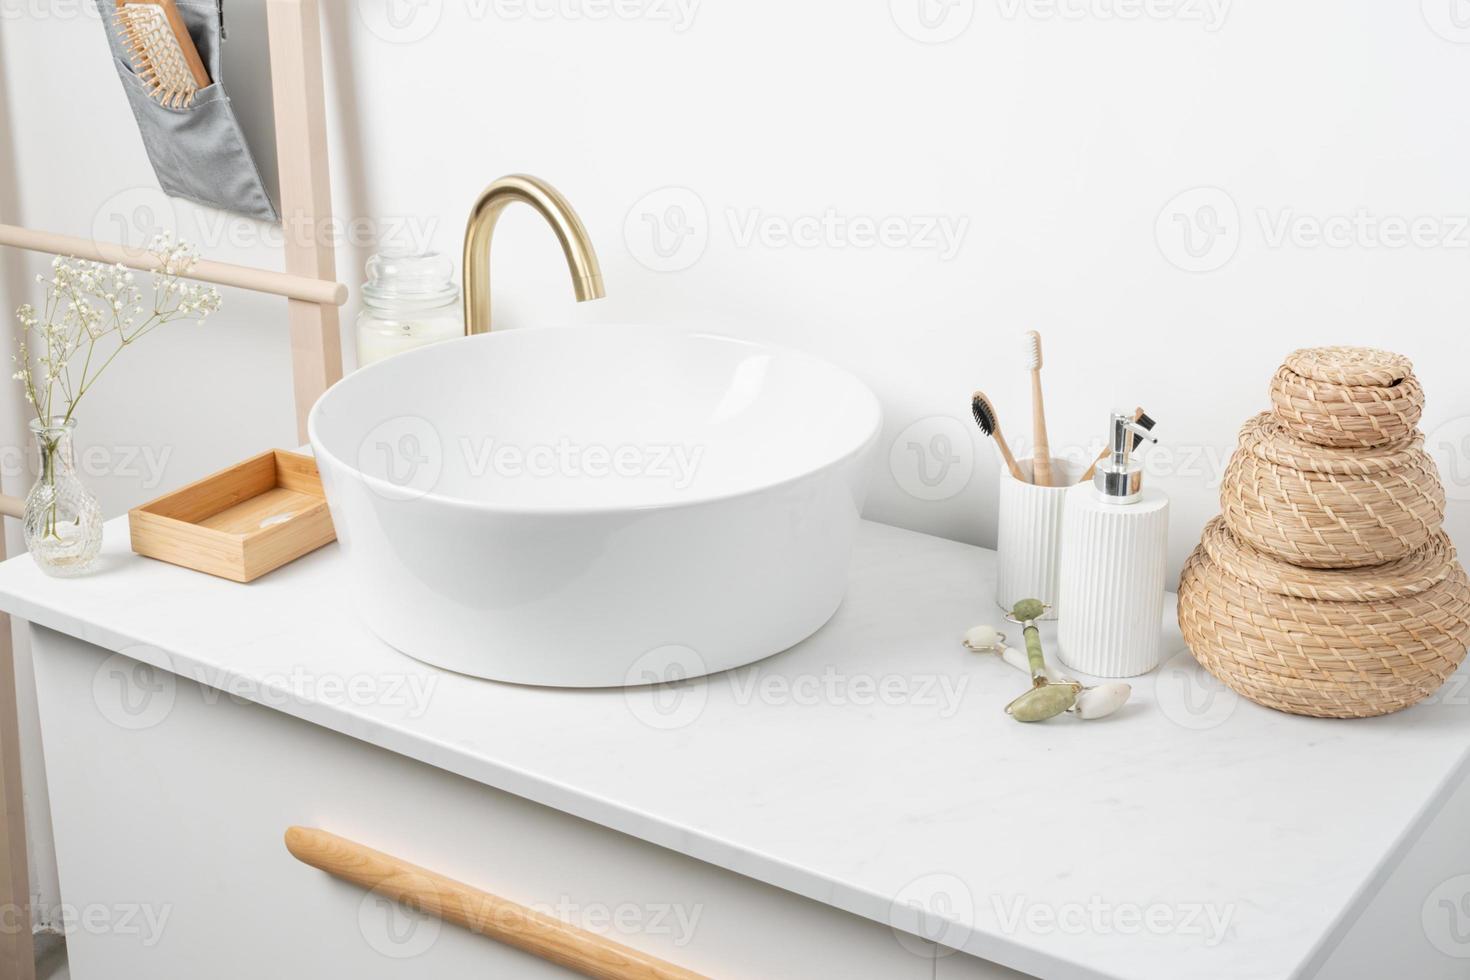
(1119, 478)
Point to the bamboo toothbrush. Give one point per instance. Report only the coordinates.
(163, 54)
(1041, 454)
(989, 423)
(1139, 416)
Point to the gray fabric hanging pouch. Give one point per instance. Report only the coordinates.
(198, 151)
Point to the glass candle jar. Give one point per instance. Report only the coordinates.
(409, 300)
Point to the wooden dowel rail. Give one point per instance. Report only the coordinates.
(318, 291)
(497, 918)
(12, 506)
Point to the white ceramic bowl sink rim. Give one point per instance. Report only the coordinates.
(872, 409)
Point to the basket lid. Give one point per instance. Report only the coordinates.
(1267, 437)
(1361, 366)
(1413, 574)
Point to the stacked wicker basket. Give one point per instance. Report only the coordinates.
(1327, 586)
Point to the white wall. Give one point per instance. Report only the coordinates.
(1072, 142)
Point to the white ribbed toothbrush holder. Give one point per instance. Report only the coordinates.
(1029, 536)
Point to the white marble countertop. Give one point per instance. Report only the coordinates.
(1192, 835)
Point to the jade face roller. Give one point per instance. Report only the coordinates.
(1093, 702)
(1045, 699)
(985, 639)
(1090, 702)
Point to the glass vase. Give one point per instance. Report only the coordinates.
(63, 522)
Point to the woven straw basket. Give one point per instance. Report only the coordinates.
(1331, 644)
(1330, 508)
(1349, 397)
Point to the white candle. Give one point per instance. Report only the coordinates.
(379, 339)
(409, 300)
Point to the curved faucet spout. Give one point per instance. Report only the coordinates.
(581, 258)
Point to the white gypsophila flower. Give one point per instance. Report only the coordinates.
(86, 302)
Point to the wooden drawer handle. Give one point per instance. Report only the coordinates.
(515, 925)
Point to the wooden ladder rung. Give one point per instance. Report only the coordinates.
(303, 288)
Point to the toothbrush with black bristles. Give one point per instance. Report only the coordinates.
(989, 423)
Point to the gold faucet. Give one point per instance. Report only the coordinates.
(581, 258)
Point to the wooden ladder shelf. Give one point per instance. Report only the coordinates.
(312, 299)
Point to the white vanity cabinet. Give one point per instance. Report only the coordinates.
(171, 799)
(859, 806)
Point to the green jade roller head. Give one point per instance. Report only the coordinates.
(1045, 699)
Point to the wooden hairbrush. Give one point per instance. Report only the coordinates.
(162, 52)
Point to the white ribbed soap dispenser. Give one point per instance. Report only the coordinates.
(1114, 548)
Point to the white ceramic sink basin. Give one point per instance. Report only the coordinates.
(596, 506)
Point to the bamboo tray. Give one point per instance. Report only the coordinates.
(239, 523)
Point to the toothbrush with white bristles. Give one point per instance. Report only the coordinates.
(1041, 452)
